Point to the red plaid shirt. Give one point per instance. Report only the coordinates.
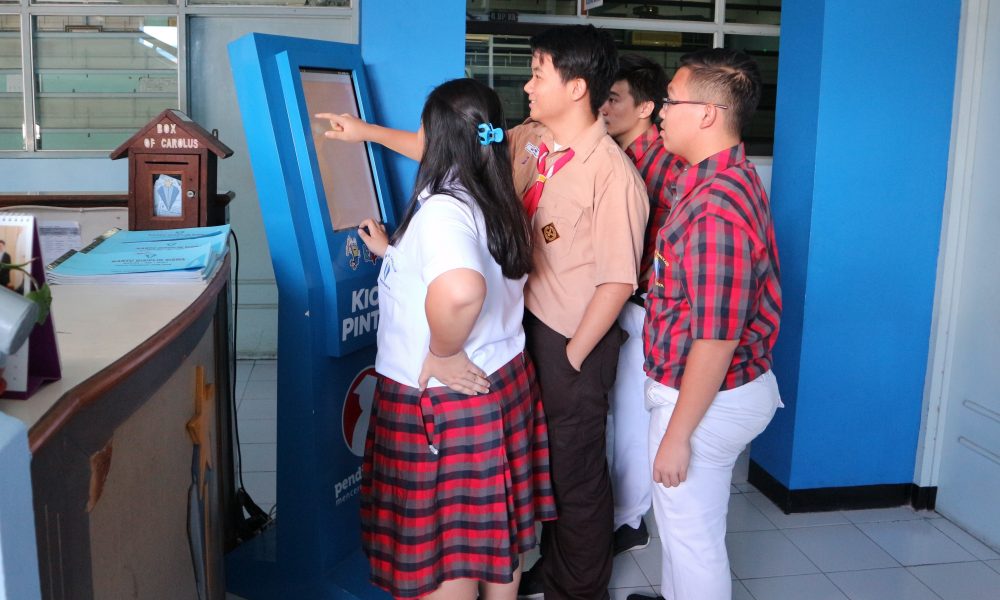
(658, 168)
(715, 273)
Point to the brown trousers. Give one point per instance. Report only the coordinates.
(577, 547)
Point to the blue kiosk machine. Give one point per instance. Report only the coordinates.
(313, 194)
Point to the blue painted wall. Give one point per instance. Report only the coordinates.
(407, 52)
(860, 165)
(792, 181)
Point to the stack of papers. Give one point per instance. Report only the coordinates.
(156, 256)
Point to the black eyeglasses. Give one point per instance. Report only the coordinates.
(670, 102)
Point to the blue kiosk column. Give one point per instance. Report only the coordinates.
(864, 114)
(313, 194)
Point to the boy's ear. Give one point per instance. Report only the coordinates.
(578, 88)
(646, 109)
(710, 116)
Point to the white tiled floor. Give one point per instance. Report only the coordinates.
(883, 554)
(257, 416)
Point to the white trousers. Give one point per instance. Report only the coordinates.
(692, 516)
(630, 480)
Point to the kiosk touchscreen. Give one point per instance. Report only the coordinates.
(345, 170)
(313, 194)
(348, 188)
(341, 188)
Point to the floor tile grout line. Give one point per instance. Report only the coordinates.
(836, 587)
(780, 527)
(776, 526)
(960, 528)
(794, 545)
(863, 534)
(886, 550)
(638, 566)
(834, 583)
(881, 547)
(921, 581)
(749, 591)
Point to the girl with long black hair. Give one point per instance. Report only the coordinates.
(456, 462)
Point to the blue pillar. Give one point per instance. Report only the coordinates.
(864, 114)
(408, 49)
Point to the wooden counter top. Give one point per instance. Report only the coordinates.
(104, 334)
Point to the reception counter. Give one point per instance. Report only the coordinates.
(131, 466)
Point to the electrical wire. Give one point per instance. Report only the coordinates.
(257, 519)
(232, 355)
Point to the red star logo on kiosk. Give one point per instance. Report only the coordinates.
(358, 409)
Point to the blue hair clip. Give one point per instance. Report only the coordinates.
(488, 133)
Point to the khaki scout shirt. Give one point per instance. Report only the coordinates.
(589, 226)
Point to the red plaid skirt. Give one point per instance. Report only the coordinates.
(452, 484)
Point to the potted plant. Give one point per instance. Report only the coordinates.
(16, 316)
(39, 294)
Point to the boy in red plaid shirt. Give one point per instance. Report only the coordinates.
(712, 318)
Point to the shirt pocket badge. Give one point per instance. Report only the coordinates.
(550, 233)
(558, 219)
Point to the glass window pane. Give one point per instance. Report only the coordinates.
(663, 47)
(763, 12)
(677, 10)
(99, 79)
(99, 2)
(504, 61)
(759, 136)
(11, 84)
(480, 10)
(327, 3)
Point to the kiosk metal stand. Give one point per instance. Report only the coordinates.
(313, 194)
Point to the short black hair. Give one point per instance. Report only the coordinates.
(647, 80)
(728, 77)
(581, 51)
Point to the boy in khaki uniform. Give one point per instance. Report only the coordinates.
(588, 212)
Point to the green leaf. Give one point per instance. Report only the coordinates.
(23, 267)
(43, 298)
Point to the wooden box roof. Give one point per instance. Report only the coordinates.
(184, 124)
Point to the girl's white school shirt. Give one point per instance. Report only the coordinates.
(445, 233)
